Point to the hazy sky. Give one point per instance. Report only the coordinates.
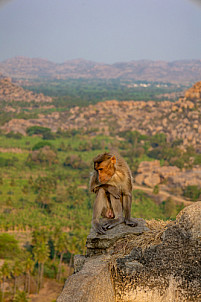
(101, 30)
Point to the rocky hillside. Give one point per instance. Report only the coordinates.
(181, 72)
(170, 181)
(152, 174)
(157, 262)
(10, 92)
(178, 120)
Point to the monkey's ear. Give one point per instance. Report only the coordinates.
(113, 159)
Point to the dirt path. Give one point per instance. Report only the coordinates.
(13, 150)
(163, 194)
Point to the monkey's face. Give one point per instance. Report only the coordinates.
(106, 170)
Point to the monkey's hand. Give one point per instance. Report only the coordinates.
(95, 189)
(131, 222)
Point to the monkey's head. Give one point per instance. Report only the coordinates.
(104, 164)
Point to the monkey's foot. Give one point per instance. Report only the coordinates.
(98, 228)
(112, 223)
(131, 222)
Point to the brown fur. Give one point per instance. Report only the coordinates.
(111, 180)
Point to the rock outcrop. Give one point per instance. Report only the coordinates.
(150, 173)
(92, 283)
(194, 93)
(9, 92)
(154, 263)
(178, 120)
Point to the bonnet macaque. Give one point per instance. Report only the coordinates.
(111, 180)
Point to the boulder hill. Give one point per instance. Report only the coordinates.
(153, 262)
(10, 92)
(178, 120)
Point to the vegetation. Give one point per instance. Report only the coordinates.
(83, 92)
(192, 192)
(27, 267)
(9, 247)
(43, 131)
(46, 184)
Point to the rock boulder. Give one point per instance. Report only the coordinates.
(156, 264)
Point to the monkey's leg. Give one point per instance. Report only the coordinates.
(127, 200)
(118, 213)
(99, 204)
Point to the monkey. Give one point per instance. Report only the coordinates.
(111, 181)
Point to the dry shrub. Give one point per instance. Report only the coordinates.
(152, 237)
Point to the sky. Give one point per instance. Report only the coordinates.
(106, 31)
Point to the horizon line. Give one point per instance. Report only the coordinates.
(98, 62)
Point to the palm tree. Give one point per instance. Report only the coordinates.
(62, 247)
(73, 248)
(40, 235)
(55, 236)
(29, 266)
(5, 269)
(41, 254)
(16, 271)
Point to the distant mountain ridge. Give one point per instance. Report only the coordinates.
(181, 72)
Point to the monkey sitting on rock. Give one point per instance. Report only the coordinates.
(111, 181)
